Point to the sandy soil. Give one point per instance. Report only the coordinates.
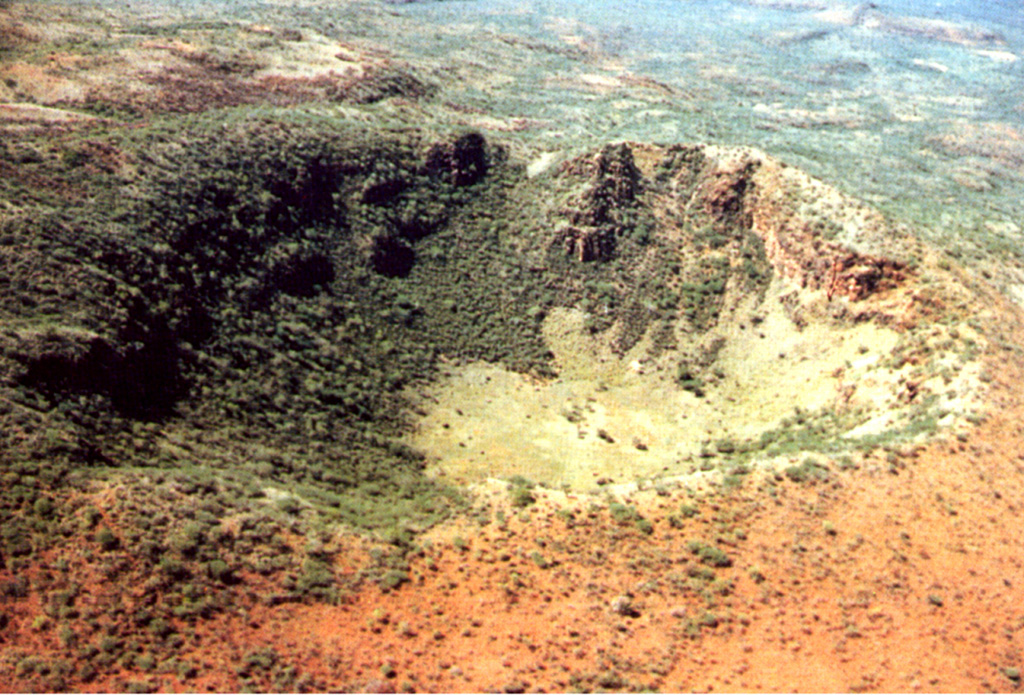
(900, 576)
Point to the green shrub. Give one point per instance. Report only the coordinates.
(808, 471)
(43, 507)
(257, 660)
(160, 628)
(709, 554)
(16, 539)
(567, 516)
(689, 382)
(67, 637)
(87, 672)
(107, 540)
(393, 579)
(173, 568)
(189, 540)
(705, 574)
(186, 670)
(90, 517)
(14, 588)
(316, 579)
(219, 571)
(522, 497)
(623, 513)
(289, 505)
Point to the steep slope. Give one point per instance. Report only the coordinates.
(732, 309)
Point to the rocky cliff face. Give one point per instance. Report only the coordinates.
(462, 161)
(599, 215)
(813, 235)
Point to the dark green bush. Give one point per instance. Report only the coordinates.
(107, 540)
(622, 513)
(522, 497)
(689, 510)
(709, 554)
(394, 578)
(807, 471)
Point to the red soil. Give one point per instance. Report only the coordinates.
(904, 575)
(853, 572)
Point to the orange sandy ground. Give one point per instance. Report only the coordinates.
(854, 570)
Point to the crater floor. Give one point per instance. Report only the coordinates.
(618, 419)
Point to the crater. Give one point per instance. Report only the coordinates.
(823, 352)
(616, 419)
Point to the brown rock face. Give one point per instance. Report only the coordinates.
(722, 195)
(463, 161)
(812, 235)
(816, 248)
(858, 277)
(597, 221)
(589, 244)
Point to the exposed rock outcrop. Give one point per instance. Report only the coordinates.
(812, 234)
(599, 217)
(462, 161)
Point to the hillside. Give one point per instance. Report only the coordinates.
(315, 375)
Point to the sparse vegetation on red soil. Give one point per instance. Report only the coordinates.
(895, 576)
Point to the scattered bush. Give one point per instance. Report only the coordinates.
(808, 471)
(709, 554)
(393, 579)
(521, 497)
(107, 540)
(316, 579)
(622, 513)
